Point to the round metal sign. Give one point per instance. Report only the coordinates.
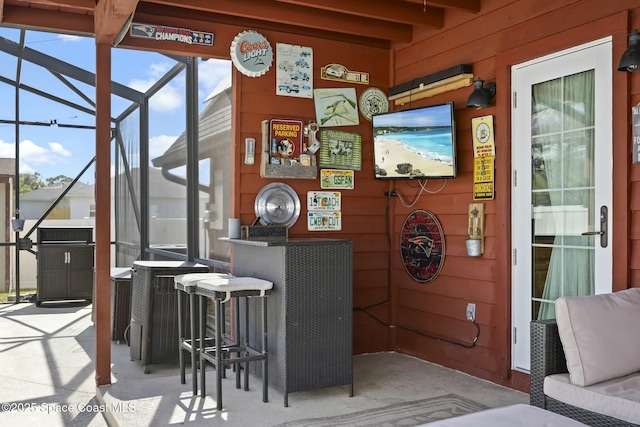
(422, 245)
(251, 53)
(277, 204)
(373, 101)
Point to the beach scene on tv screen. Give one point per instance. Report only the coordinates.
(414, 143)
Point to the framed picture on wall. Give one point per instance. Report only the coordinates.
(336, 107)
(340, 150)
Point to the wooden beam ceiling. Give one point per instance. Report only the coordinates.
(379, 21)
(110, 17)
(403, 12)
(276, 12)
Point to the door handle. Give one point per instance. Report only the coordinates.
(604, 227)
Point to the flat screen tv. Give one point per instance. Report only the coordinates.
(418, 143)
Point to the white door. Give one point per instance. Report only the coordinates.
(561, 183)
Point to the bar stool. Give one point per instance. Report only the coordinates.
(186, 283)
(234, 353)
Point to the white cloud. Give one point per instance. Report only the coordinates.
(33, 153)
(159, 144)
(141, 85)
(25, 168)
(57, 148)
(154, 72)
(211, 72)
(168, 99)
(70, 38)
(159, 69)
(7, 150)
(172, 96)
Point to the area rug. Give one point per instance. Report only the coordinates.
(400, 414)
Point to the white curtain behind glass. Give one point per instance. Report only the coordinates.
(562, 132)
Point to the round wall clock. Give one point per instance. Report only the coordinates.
(422, 245)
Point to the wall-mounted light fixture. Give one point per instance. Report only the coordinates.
(433, 84)
(482, 94)
(630, 60)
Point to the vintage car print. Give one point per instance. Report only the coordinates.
(289, 87)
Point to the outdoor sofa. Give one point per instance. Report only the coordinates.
(585, 364)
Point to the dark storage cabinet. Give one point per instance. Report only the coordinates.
(154, 318)
(65, 263)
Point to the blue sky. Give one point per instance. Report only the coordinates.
(54, 150)
(436, 115)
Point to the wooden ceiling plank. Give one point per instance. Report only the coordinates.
(110, 17)
(225, 29)
(273, 11)
(468, 5)
(48, 20)
(403, 12)
(86, 5)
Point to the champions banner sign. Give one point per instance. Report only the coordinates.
(170, 34)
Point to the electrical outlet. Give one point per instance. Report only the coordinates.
(471, 311)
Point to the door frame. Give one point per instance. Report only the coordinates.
(596, 54)
(615, 26)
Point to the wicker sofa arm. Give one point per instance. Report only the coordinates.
(547, 358)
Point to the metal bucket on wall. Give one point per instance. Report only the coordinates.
(17, 224)
(474, 247)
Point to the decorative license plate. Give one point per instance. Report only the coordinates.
(333, 178)
(323, 200)
(324, 221)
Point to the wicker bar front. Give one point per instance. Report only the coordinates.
(310, 310)
(547, 358)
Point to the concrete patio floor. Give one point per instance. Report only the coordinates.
(47, 379)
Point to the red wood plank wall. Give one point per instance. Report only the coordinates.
(504, 33)
(492, 40)
(363, 209)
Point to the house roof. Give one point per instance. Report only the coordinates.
(214, 128)
(159, 186)
(53, 191)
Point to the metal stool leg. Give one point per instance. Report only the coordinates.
(265, 366)
(196, 343)
(203, 320)
(218, 356)
(180, 338)
(241, 341)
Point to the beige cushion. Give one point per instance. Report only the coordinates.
(189, 280)
(234, 284)
(520, 415)
(599, 334)
(618, 398)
